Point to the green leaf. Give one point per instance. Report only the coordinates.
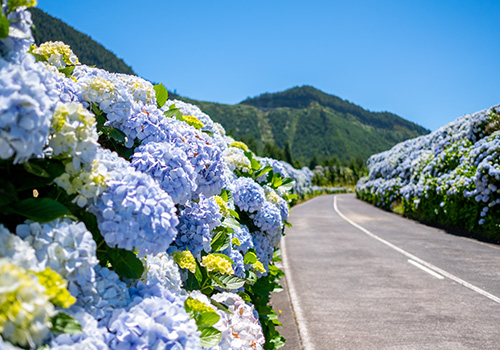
(4, 26)
(287, 184)
(161, 95)
(231, 223)
(289, 197)
(255, 164)
(234, 213)
(67, 71)
(125, 263)
(207, 319)
(117, 135)
(35, 169)
(245, 297)
(199, 273)
(221, 241)
(287, 224)
(209, 133)
(220, 306)
(8, 192)
(251, 276)
(207, 290)
(63, 323)
(36, 173)
(263, 171)
(41, 209)
(192, 282)
(210, 337)
(98, 113)
(224, 194)
(228, 282)
(250, 258)
(276, 181)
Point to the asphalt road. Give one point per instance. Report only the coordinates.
(357, 280)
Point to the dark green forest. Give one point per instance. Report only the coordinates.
(301, 125)
(89, 52)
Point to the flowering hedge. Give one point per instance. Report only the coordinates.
(450, 176)
(128, 221)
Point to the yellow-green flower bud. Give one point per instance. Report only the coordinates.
(185, 260)
(55, 287)
(217, 264)
(240, 145)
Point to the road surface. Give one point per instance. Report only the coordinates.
(362, 278)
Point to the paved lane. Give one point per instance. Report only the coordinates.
(354, 290)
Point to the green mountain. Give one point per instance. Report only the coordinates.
(310, 124)
(302, 124)
(89, 52)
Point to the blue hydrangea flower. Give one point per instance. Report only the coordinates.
(263, 248)
(154, 323)
(27, 102)
(248, 195)
(65, 246)
(206, 158)
(92, 336)
(68, 89)
(244, 238)
(134, 213)
(268, 219)
(169, 166)
(196, 222)
(20, 38)
(101, 296)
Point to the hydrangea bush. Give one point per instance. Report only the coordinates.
(449, 177)
(128, 221)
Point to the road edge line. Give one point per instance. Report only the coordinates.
(415, 258)
(294, 300)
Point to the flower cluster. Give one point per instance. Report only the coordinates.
(217, 264)
(25, 307)
(57, 54)
(450, 176)
(119, 204)
(240, 329)
(28, 100)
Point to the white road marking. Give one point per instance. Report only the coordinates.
(429, 271)
(299, 315)
(417, 259)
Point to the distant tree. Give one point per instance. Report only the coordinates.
(271, 150)
(288, 153)
(313, 162)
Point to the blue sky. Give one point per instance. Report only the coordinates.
(427, 61)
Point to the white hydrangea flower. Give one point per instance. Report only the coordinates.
(25, 308)
(241, 329)
(74, 133)
(18, 251)
(236, 159)
(56, 53)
